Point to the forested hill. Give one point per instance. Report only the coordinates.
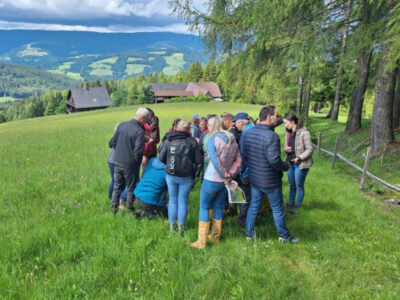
(22, 81)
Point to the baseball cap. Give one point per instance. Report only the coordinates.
(196, 116)
(241, 116)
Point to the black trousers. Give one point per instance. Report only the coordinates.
(124, 177)
(151, 211)
(244, 207)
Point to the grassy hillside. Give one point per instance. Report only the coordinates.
(352, 147)
(59, 239)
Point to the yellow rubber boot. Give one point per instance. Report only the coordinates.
(216, 230)
(201, 242)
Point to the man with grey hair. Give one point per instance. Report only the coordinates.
(128, 143)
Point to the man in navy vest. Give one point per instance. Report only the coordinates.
(261, 154)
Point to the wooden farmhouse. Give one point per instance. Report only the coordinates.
(163, 91)
(83, 99)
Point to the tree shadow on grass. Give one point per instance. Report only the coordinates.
(321, 205)
(309, 231)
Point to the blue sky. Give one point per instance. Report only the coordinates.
(91, 15)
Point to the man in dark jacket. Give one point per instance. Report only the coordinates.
(128, 142)
(261, 153)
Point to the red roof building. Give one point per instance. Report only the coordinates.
(164, 91)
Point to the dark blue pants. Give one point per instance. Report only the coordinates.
(275, 198)
(111, 186)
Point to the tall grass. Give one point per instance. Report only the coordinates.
(59, 239)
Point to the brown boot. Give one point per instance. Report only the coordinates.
(201, 242)
(216, 229)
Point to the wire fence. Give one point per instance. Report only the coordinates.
(335, 155)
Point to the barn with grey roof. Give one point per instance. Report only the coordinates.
(84, 99)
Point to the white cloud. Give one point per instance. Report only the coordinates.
(75, 9)
(177, 28)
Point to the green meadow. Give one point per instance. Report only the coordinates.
(132, 69)
(6, 98)
(175, 63)
(32, 51)
(60, 241)
(103, 67)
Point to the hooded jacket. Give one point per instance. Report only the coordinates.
(181, 153)
(153, 183)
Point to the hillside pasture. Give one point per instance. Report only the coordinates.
(133, 59)
(175, 63)
(175, 60)
(132, 69)
(71, 75)
(7, 98)
(59, 239)
(103, 67)
(65, 66)
(157, 52)
(29, 50)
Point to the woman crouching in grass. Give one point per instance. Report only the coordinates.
(224, 163)
(298, 148)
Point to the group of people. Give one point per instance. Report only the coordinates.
(219, 150)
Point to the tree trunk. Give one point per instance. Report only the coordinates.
(382, 120)
(357, 99)
(316, 107)
(299, 94)
(339, 79)
(306, 106)
(328, 116)
(396, 102)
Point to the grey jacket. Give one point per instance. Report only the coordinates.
(303, 147)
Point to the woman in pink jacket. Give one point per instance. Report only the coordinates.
(224, 163)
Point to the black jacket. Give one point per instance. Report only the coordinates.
(261, 153)
(181, 154)
(236, 133)
(128, 144)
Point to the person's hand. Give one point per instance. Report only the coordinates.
(288, 149)
(296, 160)
(234, 184)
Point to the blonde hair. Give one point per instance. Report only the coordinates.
(215, 125)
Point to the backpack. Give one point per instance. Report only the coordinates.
(179, 158)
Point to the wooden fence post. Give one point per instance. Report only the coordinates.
(364, 169)
(319, 143)
(335, 152)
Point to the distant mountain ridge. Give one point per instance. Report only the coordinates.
(89, 55)
(72, 43)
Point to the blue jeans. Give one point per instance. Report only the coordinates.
(275, 198)
(212, 196)
(179, 189)
(111, 186)
(296, 177)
